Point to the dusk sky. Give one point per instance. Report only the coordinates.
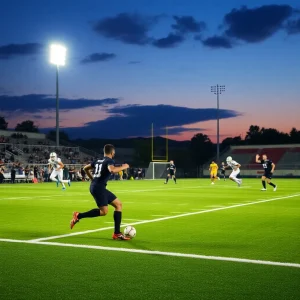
(131, 63)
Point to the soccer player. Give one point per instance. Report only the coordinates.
(102, 171)
(223, 170)
(269, 167)
(213, 168)
(172, 172)
(235, 166)
(57, 166)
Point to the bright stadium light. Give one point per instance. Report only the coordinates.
(217, 90)
(58, 58)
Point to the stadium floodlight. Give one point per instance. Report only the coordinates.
(217, 90)
(58, 58)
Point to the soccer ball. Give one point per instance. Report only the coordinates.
(229, 158)
(130, 231)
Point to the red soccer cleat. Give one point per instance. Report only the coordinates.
(120, 236)
(74, 220)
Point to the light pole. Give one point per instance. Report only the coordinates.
(217, 90)
(58, 58)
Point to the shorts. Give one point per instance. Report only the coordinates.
(213, 174)
(235, 173)
(57, 173)
(172, 173)
(268, 175)
(223, 172)
(102, 196)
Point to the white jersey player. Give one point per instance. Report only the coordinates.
(57, 166)
(235, 166)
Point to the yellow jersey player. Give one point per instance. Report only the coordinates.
(213, 168)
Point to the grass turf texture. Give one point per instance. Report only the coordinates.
(264, 231)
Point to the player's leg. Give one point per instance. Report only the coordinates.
(167, 179)
(270, 183)
(263, 182)
(53, 176)
(233, 177)
(212, 178)
(174, 178)
(60, 178)
(117, 204)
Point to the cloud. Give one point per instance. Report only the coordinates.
(187, 24)
(135, 120)
(293, 27)
(257, 24)
(127, 28)
(98, 57)
(171, 41)
(217, 42)
(34, 103)
(181, 129)
(14, 50)
(134, 62)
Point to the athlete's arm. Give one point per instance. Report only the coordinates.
(61, 165)
(257, 160)
(273, 168)
(87, 169)
(114, 169)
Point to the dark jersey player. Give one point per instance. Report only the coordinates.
(269, 167)
(102, 172)
(223, 170)
(171, 172)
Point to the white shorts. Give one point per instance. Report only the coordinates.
(57, 173)
(235, 173)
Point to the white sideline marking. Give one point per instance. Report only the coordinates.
(162, 253)
(164, 218)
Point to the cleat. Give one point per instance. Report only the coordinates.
(275, 188)
(219, 178)
(74, 220)
(263, 189)
(69, 182)
(212, 183)
(120, 236)
(165, 183)
(63, 188)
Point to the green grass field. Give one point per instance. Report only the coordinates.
(194, 241)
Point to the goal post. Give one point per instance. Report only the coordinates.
(157, 170)
(159, 153)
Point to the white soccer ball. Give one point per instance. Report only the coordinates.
(130, 231)
(229, 158)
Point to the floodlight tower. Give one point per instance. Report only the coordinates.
(217, 90)
(58, 58)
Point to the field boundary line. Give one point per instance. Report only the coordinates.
(164, 218)
(161, 253)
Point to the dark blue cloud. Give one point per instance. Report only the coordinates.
(293, 27)
(135, 120)
(256, 24)
(127, 28)
(14, 50)
(217, 42)
(36, 102)
(171, 41)
(187, 24)
(98, 57)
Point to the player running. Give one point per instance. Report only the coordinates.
(235, 166)
(213, 168)
(172, 172)
(269, 168)
(102, 171)
(57, 167)
(223, 170)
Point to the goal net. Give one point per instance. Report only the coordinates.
(157, 170)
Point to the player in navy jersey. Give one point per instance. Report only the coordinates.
(172, 172)
(102, 172)
(269, 167)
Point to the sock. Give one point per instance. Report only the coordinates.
(272, 184)
(167, 179)
(117, 219)
(90, 214)
(264, 184)
(175, 179)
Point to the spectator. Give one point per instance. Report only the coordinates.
(13, 174)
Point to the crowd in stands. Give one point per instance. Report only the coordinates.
(4, 139)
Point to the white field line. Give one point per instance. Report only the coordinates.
(216, 205)
(164, 218)
(176, 212)
(162, 253)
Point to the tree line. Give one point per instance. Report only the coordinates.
(196, 152)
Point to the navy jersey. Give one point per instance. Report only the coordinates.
(172, 167)
(267, 165)
(101, 172)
